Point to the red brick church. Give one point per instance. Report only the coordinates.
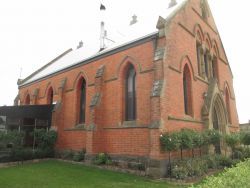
(120, 99)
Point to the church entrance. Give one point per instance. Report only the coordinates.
(219, 121)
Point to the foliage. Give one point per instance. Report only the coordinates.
(238, 176)
(189, 168)
(169, 142)
(241, 153)
(211, 136)
(79, 156)
(211, 160)
(245, 138)
(67, 154)
(11, 139)
(179, 172)
(43, 153)
(102, 158)
(198, 139)
(45, 139)
(232, 140)
(186, 138)
(223, 161)
(21, 154)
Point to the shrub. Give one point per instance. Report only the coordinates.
(198, 140)
(245, 138)
(211, 161)
(102, 158)
(179, 172)
(242, 152)
(232, 177)
(45, 139)
(211, 136)
(11, 139)
(223, 161)
(189, 168)
(246, 153)
(185, 137)
(21, 154)
(79, 156)
(232, 140)
(67, 154)
(43, 153)
(169, 142)
(238, 153)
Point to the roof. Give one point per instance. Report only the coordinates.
(27, 111)
(136, 32)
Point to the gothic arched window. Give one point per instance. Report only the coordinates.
(187, 91)
(206, 64)
(50, 96)
(82, 100)
(199, 61)
(130, 94)
(215, 68)
(228, 106)
(27, 100)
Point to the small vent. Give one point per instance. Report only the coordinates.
(172, 3)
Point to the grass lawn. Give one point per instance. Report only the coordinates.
(63, 175)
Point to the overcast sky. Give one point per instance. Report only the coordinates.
(34, 32)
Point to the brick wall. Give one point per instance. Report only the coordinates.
(109, 133)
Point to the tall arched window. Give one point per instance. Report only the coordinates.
(50, 96)
(187, 92)
(214, 68)
(206, 63)
(27, 100)
(130, 94)
(82, 100)
(199, 61)
(228, 105)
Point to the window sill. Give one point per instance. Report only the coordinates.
(129, 123)
(186, 118)
(78, 127)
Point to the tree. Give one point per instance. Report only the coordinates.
(198, 141)
(169, 142)
(232, 140)
(185, 139)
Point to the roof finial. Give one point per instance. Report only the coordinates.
(172, 3)
(134, 20)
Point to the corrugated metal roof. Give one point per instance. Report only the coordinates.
(129, 35)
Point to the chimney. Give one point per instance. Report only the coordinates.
(172, 3)
(134, 20)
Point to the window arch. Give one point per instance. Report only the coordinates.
(187, 91)
(130, 94)
(81, 92)
(50, 96)
(228, 105)
(27, 100)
